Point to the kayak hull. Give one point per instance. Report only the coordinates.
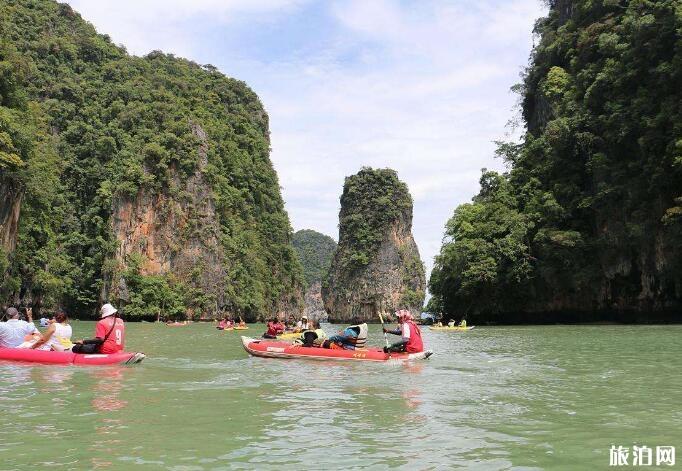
(278, 349)
(69, 358)
(451, 329)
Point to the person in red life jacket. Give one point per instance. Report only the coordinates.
(411, 341)
(109, 334)
(275, 328)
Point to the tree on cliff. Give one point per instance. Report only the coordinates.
(315, 252)
(376, 266)
(112, 129)
(588, 220)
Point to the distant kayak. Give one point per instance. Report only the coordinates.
(289, 336)
(69, 358)
(241, 328)
(277, 349)
(445, 328)
(177, 324)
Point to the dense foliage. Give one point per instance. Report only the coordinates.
(589, 216)
(315, 252)
(372, 200)
(96, 126)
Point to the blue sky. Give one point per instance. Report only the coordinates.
(419, 86)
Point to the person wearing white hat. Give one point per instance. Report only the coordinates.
(109, 334)
(303, 324)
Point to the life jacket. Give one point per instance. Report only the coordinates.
(272, 329)
(361, 340)
(414, 344)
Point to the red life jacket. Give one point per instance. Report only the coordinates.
(415, 344)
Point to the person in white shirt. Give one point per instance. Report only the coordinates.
(303, 324)
(57, 337)
(15, 329)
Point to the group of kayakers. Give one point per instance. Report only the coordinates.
(228, 323)
(451, 323)
(19, 331)
(352, 337)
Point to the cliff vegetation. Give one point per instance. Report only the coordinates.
(587, 222)
(124, 176)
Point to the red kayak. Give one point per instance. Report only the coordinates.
(278, 349)
(69, 358)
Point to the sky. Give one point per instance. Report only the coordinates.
(419, 86)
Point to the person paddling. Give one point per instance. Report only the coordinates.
(411, 341)
(109, 334)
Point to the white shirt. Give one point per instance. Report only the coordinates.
(15, 331)
(405, 329)
(60, 337)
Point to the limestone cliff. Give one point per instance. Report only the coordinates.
(586, 224)
(147, 181)
(376, 267)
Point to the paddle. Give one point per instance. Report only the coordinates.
(382, 328)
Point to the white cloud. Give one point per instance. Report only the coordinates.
(146, 25)
(421, 87)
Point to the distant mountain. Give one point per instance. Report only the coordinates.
(315, 252)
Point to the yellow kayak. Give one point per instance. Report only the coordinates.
(240, 328)
(289, 336)
(456, 328)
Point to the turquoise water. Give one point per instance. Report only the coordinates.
(494, 398)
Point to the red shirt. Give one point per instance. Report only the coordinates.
(116, 340)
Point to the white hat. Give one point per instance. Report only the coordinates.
(107, 310)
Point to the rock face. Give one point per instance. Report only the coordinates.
(10, 204)
(315, 251)
(314, 307)
(376, 267)
(173, 236)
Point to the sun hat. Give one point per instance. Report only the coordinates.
(107, 310)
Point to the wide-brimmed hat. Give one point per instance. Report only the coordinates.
(107, 310)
